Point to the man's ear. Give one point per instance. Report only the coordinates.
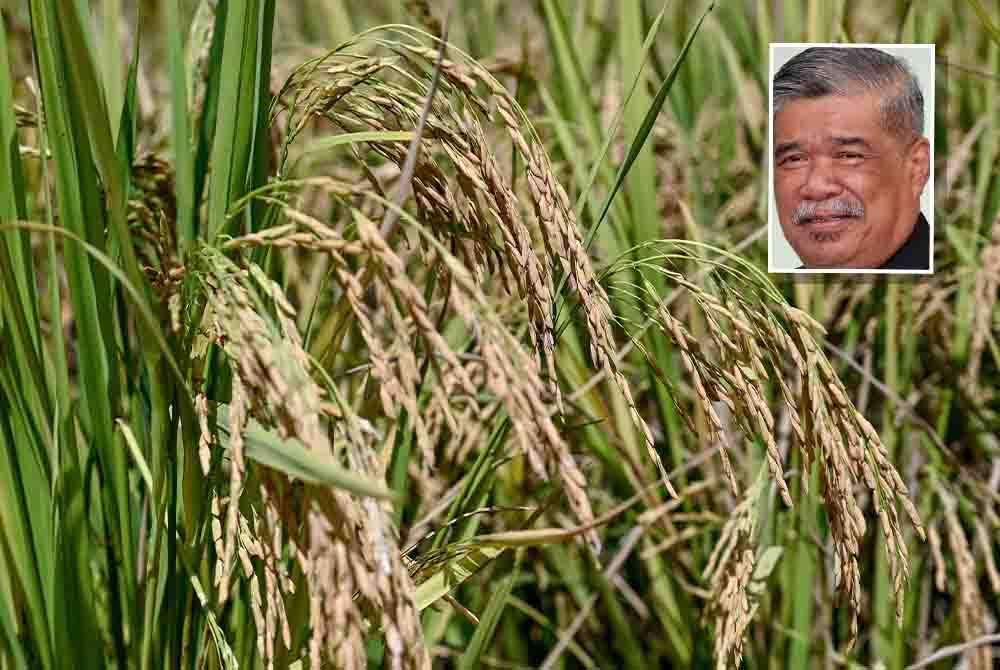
(919, 164)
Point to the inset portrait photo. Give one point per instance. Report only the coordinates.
(851, 158)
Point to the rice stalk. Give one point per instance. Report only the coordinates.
(752, 336)
(357, 99)
(343, 545)
(729, 572)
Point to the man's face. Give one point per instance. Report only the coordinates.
(848, 191)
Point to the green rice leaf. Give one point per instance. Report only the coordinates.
(293, 459)
(181, 138)
(241, 115)
(647, 126)
(450, 574)
(24, 542)
(327, 143)
(125, 145)
(489, 620)
(136, 452)
(984, 17)
(226, 656)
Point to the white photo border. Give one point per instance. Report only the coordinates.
(929, 103)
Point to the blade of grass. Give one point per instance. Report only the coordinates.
(489, 619)
(575, 109)
(240, 83)
(18, 297)
(117, 273)
(98, 125)
(181, 138)
(884, 609)
(140, 461)
(453, 573)
(640, 192)
(12, 201)
(262, 213)
(125, 145)
(8, 630)
(23, 542)
(612, 132)
(75, 617)
(227, 659)
(205, 131)
(82, 212)
(624, 636)
(577, 103)
(457, 568)
(292, 458)
(111, 53)
(325, 144)
(984, 18)
(803, 576)
(644, 129)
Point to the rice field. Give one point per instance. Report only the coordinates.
(438, 334)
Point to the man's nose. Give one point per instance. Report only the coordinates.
(821, 181)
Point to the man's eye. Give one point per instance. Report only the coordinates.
(850, 155)
(793, 159)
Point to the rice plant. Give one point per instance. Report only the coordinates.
(426, 334)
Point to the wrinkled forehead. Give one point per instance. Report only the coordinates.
(824, 118)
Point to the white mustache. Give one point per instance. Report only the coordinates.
(840, 207)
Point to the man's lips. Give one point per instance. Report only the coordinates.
(827, 220)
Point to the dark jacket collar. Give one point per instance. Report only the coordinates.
(915, 254)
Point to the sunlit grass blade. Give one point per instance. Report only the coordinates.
(98, 127)
(128, 115)
(81, 210)
(637, 142)
(292, 458)
(640, 191)
(451, 574)
(612, 132)
(183, 160)
(18, 295)
(242, 111)
(208, 114)
(111, 57)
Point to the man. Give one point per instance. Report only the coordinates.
(851, 160)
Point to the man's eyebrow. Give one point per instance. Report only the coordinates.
(786, 147)
(840, 141)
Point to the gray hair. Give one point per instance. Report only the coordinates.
(821, 71)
